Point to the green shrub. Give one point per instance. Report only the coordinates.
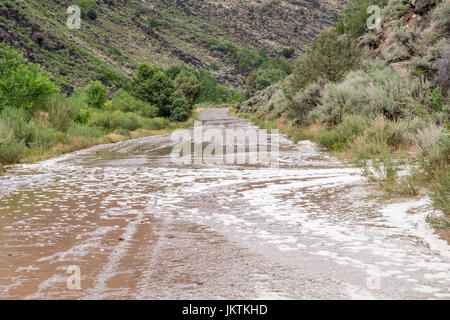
(125, 102)
(374, 89)
(181, 110)
(116, 120)
(196, 85)
(385, 170)
(45, 138)
(440, 192)
(429, 62)
(22, 84)
(125, 120)
(17, 121)
(11, 149)
(331, 139)
(148, 111)
(392, 133)
(85, 5)
(61, 114)
(442, 76)
(330, 57)
(288, 52)
(434, 150)
(154, 23)
(408, 37)
(304, 101)
(209, 89)
(84, 115)
(441, 14)
(395, 9)
(437, 100)
(188, 85)
(179, 115)
(92, 14)
(382, 135)
(112, 76)
(174, 70)
(338, 137)
(76, 101)
(101, 119)
(114, 51)
(399, 53)
(155, 123)
(95, 95)
(353, 125)
(262, 78)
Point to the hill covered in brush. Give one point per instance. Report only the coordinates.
(227, 38)
(378, 98)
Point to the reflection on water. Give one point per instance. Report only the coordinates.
(140, 226)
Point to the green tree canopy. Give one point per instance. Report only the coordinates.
(96, 96)
(153, 86)
(22, 84)
(330, 57)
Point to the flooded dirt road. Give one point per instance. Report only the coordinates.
(139, 226)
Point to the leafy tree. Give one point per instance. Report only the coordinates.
(188, 85)
(181, 110)
(23, 84)
(210, 91)
(153, 86)
(174, 70)
(262, 78)
(96, 96)
(330, 57)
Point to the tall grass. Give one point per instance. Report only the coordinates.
(440, 192)
(11, 149)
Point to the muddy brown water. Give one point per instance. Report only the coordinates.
(139, 226)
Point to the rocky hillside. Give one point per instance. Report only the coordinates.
(385, 105)
(220, 36)
(413, 40)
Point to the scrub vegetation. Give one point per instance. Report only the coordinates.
(38, 121)
(351, 93)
